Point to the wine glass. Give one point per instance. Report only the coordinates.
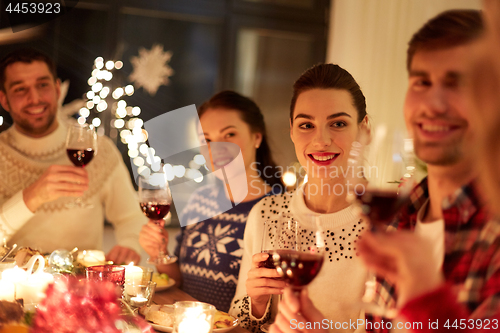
(381, 188)
(296, 250)
(387, 180)
(81, 146)
(155, 200)
(300, 250)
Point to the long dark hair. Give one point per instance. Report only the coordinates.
(250, 113)
(329, 76)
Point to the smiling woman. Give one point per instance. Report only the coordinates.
(327, 111)
(209, 251)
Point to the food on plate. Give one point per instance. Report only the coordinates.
(10, 313)
(222, 320)
(164, 315)
(160, 279)
(159, 314)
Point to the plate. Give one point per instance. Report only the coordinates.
(223, 330)
(161, 328)
(168, 329)
(171, 283)
(215, 330)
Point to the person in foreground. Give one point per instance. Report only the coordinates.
(38, 179)
(441, 269)
(484, 87)
(326, 113)
(210, 250)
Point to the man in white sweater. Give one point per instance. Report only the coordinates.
(37, 179)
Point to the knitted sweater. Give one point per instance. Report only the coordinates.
(24, 159)
(210, 251)
(339, 284)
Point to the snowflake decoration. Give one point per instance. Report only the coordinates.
(151, 69)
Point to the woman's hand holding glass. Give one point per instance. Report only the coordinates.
(261, 283)
(155, 200)
(295, 311)
(152, 238)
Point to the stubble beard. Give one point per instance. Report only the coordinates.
(441, 155)
(28, 127)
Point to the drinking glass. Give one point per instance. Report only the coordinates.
(300, 250)
(155, 200)
(139, 294)
(111, 273)
(381, 188)
(81, 146)
(193, 317)
(296, 250)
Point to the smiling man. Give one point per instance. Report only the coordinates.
(441, 270)
(37, 179)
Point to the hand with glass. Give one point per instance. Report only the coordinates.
(81, 146)
(155, 200)
(65, 180)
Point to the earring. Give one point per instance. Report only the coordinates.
(257, 146)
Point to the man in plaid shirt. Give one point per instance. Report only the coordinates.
(445, 273)
(441, 270)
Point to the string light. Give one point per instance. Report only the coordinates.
(105, 96)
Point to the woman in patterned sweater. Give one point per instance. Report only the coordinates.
(326, 113)
(209, 246)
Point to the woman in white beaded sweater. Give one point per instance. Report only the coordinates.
(327, 111)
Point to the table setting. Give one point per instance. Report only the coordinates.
(68, 290)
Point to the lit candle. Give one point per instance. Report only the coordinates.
(32, 290)
(138, 301)
(15, 276)
(133, 277)
(7, 291)
(195, 320)
(91, 258)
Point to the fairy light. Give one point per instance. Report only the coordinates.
(105, 96)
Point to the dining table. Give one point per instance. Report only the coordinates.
(174, 294)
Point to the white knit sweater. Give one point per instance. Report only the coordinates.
(23, 159)
(340, 282)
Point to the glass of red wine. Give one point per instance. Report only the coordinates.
(383, 174)
(295, 248)
(81, 147)
(382, 177)
(299, 252)
(155, 200)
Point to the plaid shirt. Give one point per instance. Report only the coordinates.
(471, 266)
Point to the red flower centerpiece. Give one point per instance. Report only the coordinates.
(84, 306)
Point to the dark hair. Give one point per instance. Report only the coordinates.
(329, 76)
(448, 29)
(26, 55)
(250, 113)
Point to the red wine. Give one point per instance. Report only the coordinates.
(155, 211)
(80, 157)
(297, 268)
(381, 206)
(269, 262)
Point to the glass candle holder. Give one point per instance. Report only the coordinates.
(137, 295)
(193, 317)
(111, 273)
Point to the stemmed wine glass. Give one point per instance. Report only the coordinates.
(382, 175)
(300, 250)
(296, 249)
(81, 147)
(155, 200)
